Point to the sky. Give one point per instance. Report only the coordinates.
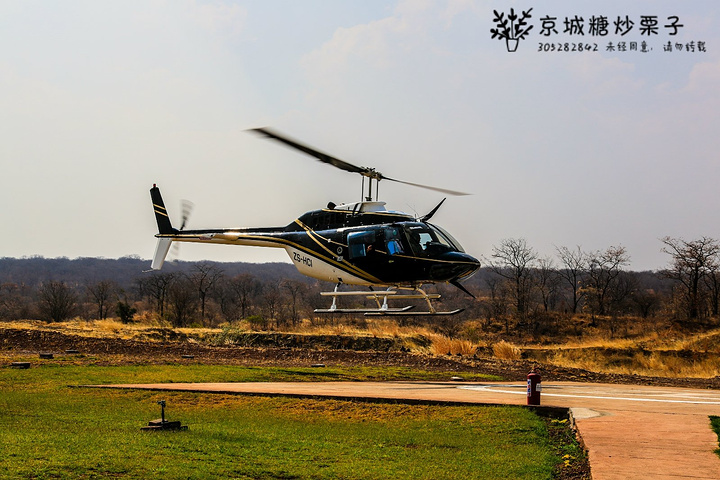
(593, 148)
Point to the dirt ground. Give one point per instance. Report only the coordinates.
(32, 342)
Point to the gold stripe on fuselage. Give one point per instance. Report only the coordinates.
(346, 267)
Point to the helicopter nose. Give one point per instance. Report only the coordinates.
(456, 266)
(468, 265)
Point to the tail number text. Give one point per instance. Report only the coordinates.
(307, 261)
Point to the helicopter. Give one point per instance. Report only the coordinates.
(360, 244)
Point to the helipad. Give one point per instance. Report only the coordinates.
(631, 432)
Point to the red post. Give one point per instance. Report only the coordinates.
(533, 388)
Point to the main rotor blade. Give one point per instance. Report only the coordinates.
(323, 157)
(437, 189)
(343, 165)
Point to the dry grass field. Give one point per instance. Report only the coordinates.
(645, 352)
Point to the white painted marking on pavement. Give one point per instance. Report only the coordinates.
(522, 390)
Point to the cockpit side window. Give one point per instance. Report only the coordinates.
(359, 242)
(418, 238)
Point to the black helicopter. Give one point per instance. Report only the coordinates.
(358, 243)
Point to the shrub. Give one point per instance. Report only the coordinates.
(257, 322)
(125, 312)
(506, 351)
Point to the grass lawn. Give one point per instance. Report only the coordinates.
(49, 429)
(715, 424)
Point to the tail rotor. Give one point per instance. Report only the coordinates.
(186, 207)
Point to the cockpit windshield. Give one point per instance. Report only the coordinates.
(449, 238)
(426, 239)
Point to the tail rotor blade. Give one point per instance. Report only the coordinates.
(186, 206)
(174, 254)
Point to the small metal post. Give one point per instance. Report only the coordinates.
(162, 410)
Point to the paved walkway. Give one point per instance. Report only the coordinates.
(631, 432)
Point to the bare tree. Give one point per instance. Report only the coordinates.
(712, 284)
(247, 288)
(626, 285)
(574, 269)
(271, 301)
(691, 261)
(182, 300)
(14, 301)
(101, 293)
(58, 301)
(604, 268)
(295, 289)
(497, 304)
(238, 295)
(205, 275)
(156, 286)
(226, 299)
(646, 301)
(513, 260)
(547, 280)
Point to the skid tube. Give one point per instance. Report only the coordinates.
(382, 308)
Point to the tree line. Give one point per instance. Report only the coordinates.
(516, 290)
(183, 293)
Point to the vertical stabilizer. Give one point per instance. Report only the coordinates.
(161, 215)
(164, 228)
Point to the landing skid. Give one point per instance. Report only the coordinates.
(414, 314)
(382, 307)
(366, 311)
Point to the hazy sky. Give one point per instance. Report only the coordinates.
(101, 99)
